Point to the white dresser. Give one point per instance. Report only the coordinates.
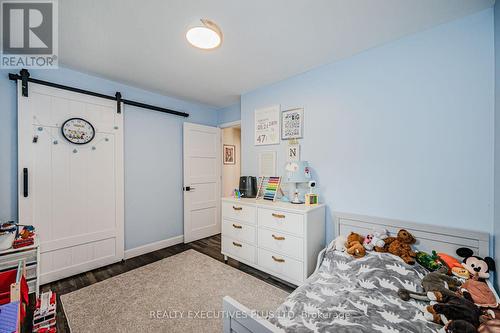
(279, 238)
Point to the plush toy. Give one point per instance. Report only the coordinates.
(378, 239)
(354, 245)
(453, 308)
(368, 242)
(478, 267)
(436, 281)
(401, 246)
(338, 244)
(375, 240)
(480, 293)
(431, 262)
(459, 326)
(490, 326)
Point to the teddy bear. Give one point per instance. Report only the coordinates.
(354, 245)
(459, 314)
(432, 282)
(401, 246)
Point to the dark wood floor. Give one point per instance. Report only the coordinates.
(209, 246)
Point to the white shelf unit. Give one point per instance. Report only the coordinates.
(9, 259)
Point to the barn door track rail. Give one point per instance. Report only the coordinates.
(24, 77)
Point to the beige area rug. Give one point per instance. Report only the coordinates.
(182, 293)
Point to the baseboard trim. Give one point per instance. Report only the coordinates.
(137, 251)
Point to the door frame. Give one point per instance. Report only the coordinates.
(230, 124)
(223, 126)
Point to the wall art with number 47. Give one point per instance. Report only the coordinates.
(267, 126)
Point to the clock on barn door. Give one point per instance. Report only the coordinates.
(78, 131)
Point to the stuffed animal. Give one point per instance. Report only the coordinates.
(431, 262)
(378, 239)
(436, 281)
(490, 326)
(354, 245)
(375, 240)
(367, 242)
(338, 244)
(480, 293)
(453, 308)
(478, 267)
(459, 326)
(401, 246)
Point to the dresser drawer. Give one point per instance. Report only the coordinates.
(287, 222)
(239, 212)
(277, 263)
(239, 231)
(238, 249)
(284, 244)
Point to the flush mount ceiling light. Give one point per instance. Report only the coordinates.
(206, 37)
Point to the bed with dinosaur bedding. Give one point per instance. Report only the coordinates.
(345, 294)
(356, 295)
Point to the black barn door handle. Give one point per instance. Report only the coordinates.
(25, 182)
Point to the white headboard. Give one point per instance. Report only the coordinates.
(429, 237)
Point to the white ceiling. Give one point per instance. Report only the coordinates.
(142, 42)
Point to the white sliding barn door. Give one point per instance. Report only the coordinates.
(202, 181)
(75, 192)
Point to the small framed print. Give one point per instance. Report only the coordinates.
(229, 154)
(293, 152)
(292, 124)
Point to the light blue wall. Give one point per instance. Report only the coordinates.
(497, 137)
(153, 154)
(402, 131)
(229, 114)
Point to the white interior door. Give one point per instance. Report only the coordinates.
(202, 181)
(74, 192)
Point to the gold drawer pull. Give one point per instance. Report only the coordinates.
(278, 237)
(278, 216)
(237, 226)
(237, 244)
(278, 259)
(237, 208)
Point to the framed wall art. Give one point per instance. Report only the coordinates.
(267, 126)
(267, 163)
(229, 152)
(293, 124)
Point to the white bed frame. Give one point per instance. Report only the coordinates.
(238, 318)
